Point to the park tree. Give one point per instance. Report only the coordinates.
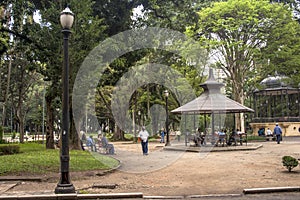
(40, 44)
(174, 15)
(236, 31)
(16, 63)
(281, 54)
(118, 17)
(87, 31)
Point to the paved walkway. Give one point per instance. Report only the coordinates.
(161, 156)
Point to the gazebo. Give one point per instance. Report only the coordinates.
(211, 102)
(276, 102)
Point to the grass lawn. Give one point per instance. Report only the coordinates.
(35, 159)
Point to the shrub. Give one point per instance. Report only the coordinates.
(3, 142)
(9, 149)
(289, 162)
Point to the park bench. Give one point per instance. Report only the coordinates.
(197, 140)
(241, 138)
(222, 140)
(238, 139)
(105, 147)
(270, 137)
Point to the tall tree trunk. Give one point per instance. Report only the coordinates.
(22, 130)
(6, 92)
(20, 114)
(73, 136)
(119, 134)
(238, 94)
(49, 124)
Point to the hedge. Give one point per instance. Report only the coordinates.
(9, 149)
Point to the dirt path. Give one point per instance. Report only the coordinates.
(188, 173)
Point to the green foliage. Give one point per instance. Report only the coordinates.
(129, 136)
(289, 162)
(87, 32)
(176, 14)
(7, 149)
(35, 159)
(293, 4)
(3, 142)
(250, 39)
(116, 14)
(3, 45)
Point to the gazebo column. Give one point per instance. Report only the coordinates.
(260, 98)
(278, 110)
(205, 123)
(185, 130)
(287, 105)
(213, 125)
(254, 105)
(281, 103)
(266, 105)
(234, 124)
(194, 123)
(273, 104)
(269, 104)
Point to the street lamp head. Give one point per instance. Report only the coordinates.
(66, 18)
(166, 92)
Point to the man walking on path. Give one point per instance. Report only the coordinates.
(143, 135)
(277, 132)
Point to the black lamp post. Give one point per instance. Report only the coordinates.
(65, 186)
(167, 119)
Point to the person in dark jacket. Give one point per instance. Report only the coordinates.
(277, 132)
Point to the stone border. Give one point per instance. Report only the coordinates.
(272, 189)
(250, 146)
(74, 196)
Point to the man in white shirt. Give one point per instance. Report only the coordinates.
(269, 132)
(143, 135)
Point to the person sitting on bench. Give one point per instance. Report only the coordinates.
(110, 149)
(90, 143)
(222, 137)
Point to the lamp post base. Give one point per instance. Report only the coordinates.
(64, 189)
(168, 144)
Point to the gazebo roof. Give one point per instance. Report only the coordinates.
(276, 86)
(212, 101)
(275, 82)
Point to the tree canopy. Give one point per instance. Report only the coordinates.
(242, 34)
(247, 39)
(237, 32)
